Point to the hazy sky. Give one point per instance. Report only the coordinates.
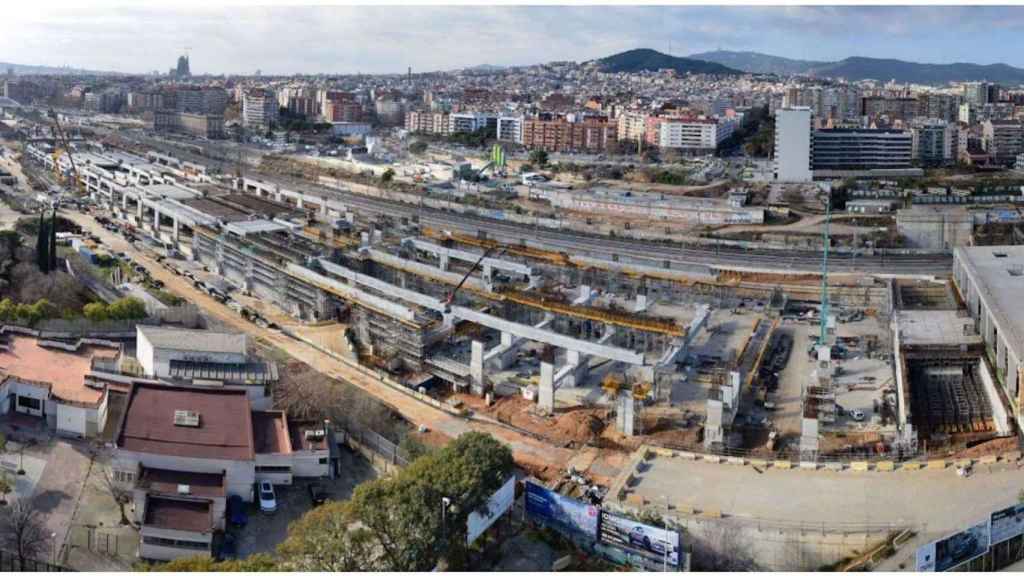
(349, 39)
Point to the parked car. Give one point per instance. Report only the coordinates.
(317, 494)
(268, 500)
(857, 415)
(236, 511)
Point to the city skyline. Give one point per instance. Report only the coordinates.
(346, 39)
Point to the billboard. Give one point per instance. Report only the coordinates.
(656, 546)
(499, 503)
(561, 512)
(952, 551)
(1006, 524)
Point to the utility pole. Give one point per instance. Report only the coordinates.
(823, 332)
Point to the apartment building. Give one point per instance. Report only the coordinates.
(143, 101)
(631, 126)
(510, 129)
(894, 108)
(259, 108)
(1003, 140)
(470, 122)
(201, 100)
(793, 145)
(200, 125)
(560, 135)
(849, 151)
(934, 142)
(694, 135)
(427, 122)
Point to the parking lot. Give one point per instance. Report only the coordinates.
(265, 531)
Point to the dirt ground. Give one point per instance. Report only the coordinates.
(570, 427)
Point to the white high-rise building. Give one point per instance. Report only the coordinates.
(793, 144)
(510, 129)
(259, 108)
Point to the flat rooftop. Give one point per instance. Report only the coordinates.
(270, 432)
(161, 481)
(64, 371)
(215, 209)
(224, 430)
(193, 340)
(188, 515)
(998, 274)
(936, 328)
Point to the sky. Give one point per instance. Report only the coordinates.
(288, 39)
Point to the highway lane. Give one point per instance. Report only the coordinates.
(644, 252)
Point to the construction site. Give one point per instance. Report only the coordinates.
(575, 347)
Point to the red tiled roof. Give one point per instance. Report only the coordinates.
(224, 431)
(189, 515)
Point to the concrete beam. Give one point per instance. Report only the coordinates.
(361, 279)
(350, 293)
(552, 338)
(466, 256)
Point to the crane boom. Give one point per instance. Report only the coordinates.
(451, 296)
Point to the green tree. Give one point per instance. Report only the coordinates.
(8, 311)
(42, 247)
(126, 309)
(52, 249)
(539, 158)
(387, 176)
(93, 311)
(5, 487)
(254, 563)
(395, 523)
(418, 147)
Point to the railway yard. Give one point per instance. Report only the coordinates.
(570, 346)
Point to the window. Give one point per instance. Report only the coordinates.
(190, 544)
(323, 461)
(124, 477)
(30, 403)
(273, 469)
(1016, 271)
(999, 254)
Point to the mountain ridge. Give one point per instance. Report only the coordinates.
(864, 68)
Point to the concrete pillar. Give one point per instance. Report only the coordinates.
(1000, 355)
(124, 202)
(476, 366)
(546, 393)
(323, 207)
(350, 217)
(641, 302)
(624, 419)
(175, 227)
(138, 210)
(443, 261)
(156, 222)
(364, 239)
(378, 236)
(298, 201)
(507, 338)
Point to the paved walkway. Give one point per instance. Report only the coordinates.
(60, 487)
(931, 502)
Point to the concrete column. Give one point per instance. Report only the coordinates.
(1000, 355)
(507, 338)
(298, 201)
(641, 302)
(546, 393)
(624, 419)
(476, 366)
(156, 222)
(323, 207)
(124, 202)
(443, 262)
(138, 210)
(175, 227)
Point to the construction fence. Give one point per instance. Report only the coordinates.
(382, 453)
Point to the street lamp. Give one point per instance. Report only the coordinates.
(53, 548)
(445, 503)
